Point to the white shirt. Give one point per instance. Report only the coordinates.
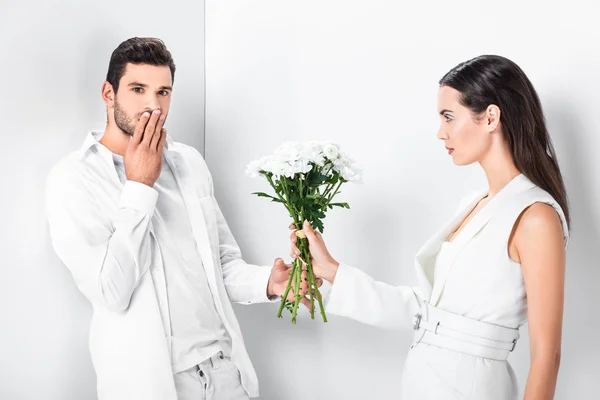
(197, 332)
(104, 232)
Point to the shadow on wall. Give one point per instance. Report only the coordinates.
(70, 331)
(580, 350)
(94, 60)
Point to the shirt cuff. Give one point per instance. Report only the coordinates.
(138, 196)
(335, 300)
(262, 284)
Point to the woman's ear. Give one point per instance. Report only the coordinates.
(492, 117)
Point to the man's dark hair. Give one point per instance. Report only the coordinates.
(137, 50)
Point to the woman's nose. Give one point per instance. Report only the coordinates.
(441, 134)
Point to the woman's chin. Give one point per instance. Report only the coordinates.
(460, 162)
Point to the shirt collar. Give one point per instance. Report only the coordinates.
(93, 137)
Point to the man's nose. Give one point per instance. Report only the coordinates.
(153, 104)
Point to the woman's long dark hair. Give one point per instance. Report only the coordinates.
(491, 79)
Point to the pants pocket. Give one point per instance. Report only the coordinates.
(226, 382)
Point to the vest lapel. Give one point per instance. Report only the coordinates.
(474, 226)
(425, 258)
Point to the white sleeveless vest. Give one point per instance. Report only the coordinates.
(479, 275)
(466, 321)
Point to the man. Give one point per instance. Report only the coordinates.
(133, 216)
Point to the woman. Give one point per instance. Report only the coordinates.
(498, 262)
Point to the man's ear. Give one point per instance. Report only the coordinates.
(108, 94)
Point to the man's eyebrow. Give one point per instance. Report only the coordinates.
(138, 84)
(143, 85)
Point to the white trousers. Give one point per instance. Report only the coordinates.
(215, 379)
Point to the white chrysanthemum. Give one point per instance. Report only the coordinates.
(340, 162)
(354, 170)
(279, 170)
(289, 151)
(331, 151)
(351, 174)
(296, 159)
(302, 166)
(313, 152)
(253, 169)
(329, 170)
(270, 164)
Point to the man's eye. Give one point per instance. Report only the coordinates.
(164, 93)
(138, 90)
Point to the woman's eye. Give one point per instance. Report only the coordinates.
(448, 117)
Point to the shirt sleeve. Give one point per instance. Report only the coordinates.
(107, 253)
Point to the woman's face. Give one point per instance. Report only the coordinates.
(467, 139)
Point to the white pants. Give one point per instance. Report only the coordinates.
(215, 379)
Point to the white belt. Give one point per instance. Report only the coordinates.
(454, 332)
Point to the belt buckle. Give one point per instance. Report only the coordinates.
(417, 321)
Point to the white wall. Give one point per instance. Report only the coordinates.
(54, 59)
(365, 75)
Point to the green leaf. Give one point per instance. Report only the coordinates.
(318, 224)
(343, 205)
(294, 197)
(289, 305)
(317, 179)
(261, 194)
(334, 179)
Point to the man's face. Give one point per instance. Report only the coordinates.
(142, 88)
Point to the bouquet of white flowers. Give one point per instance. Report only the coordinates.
(305, 177)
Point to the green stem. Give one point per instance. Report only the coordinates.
(285, 202)
(292, 208)
(296, 272)
(320, 298)
(327, 190)
(287, 291)
(317, 293)
(303, 246)
(326, 170)
(297, 276)
(337, 189)
(302, 207)
(313, 284)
